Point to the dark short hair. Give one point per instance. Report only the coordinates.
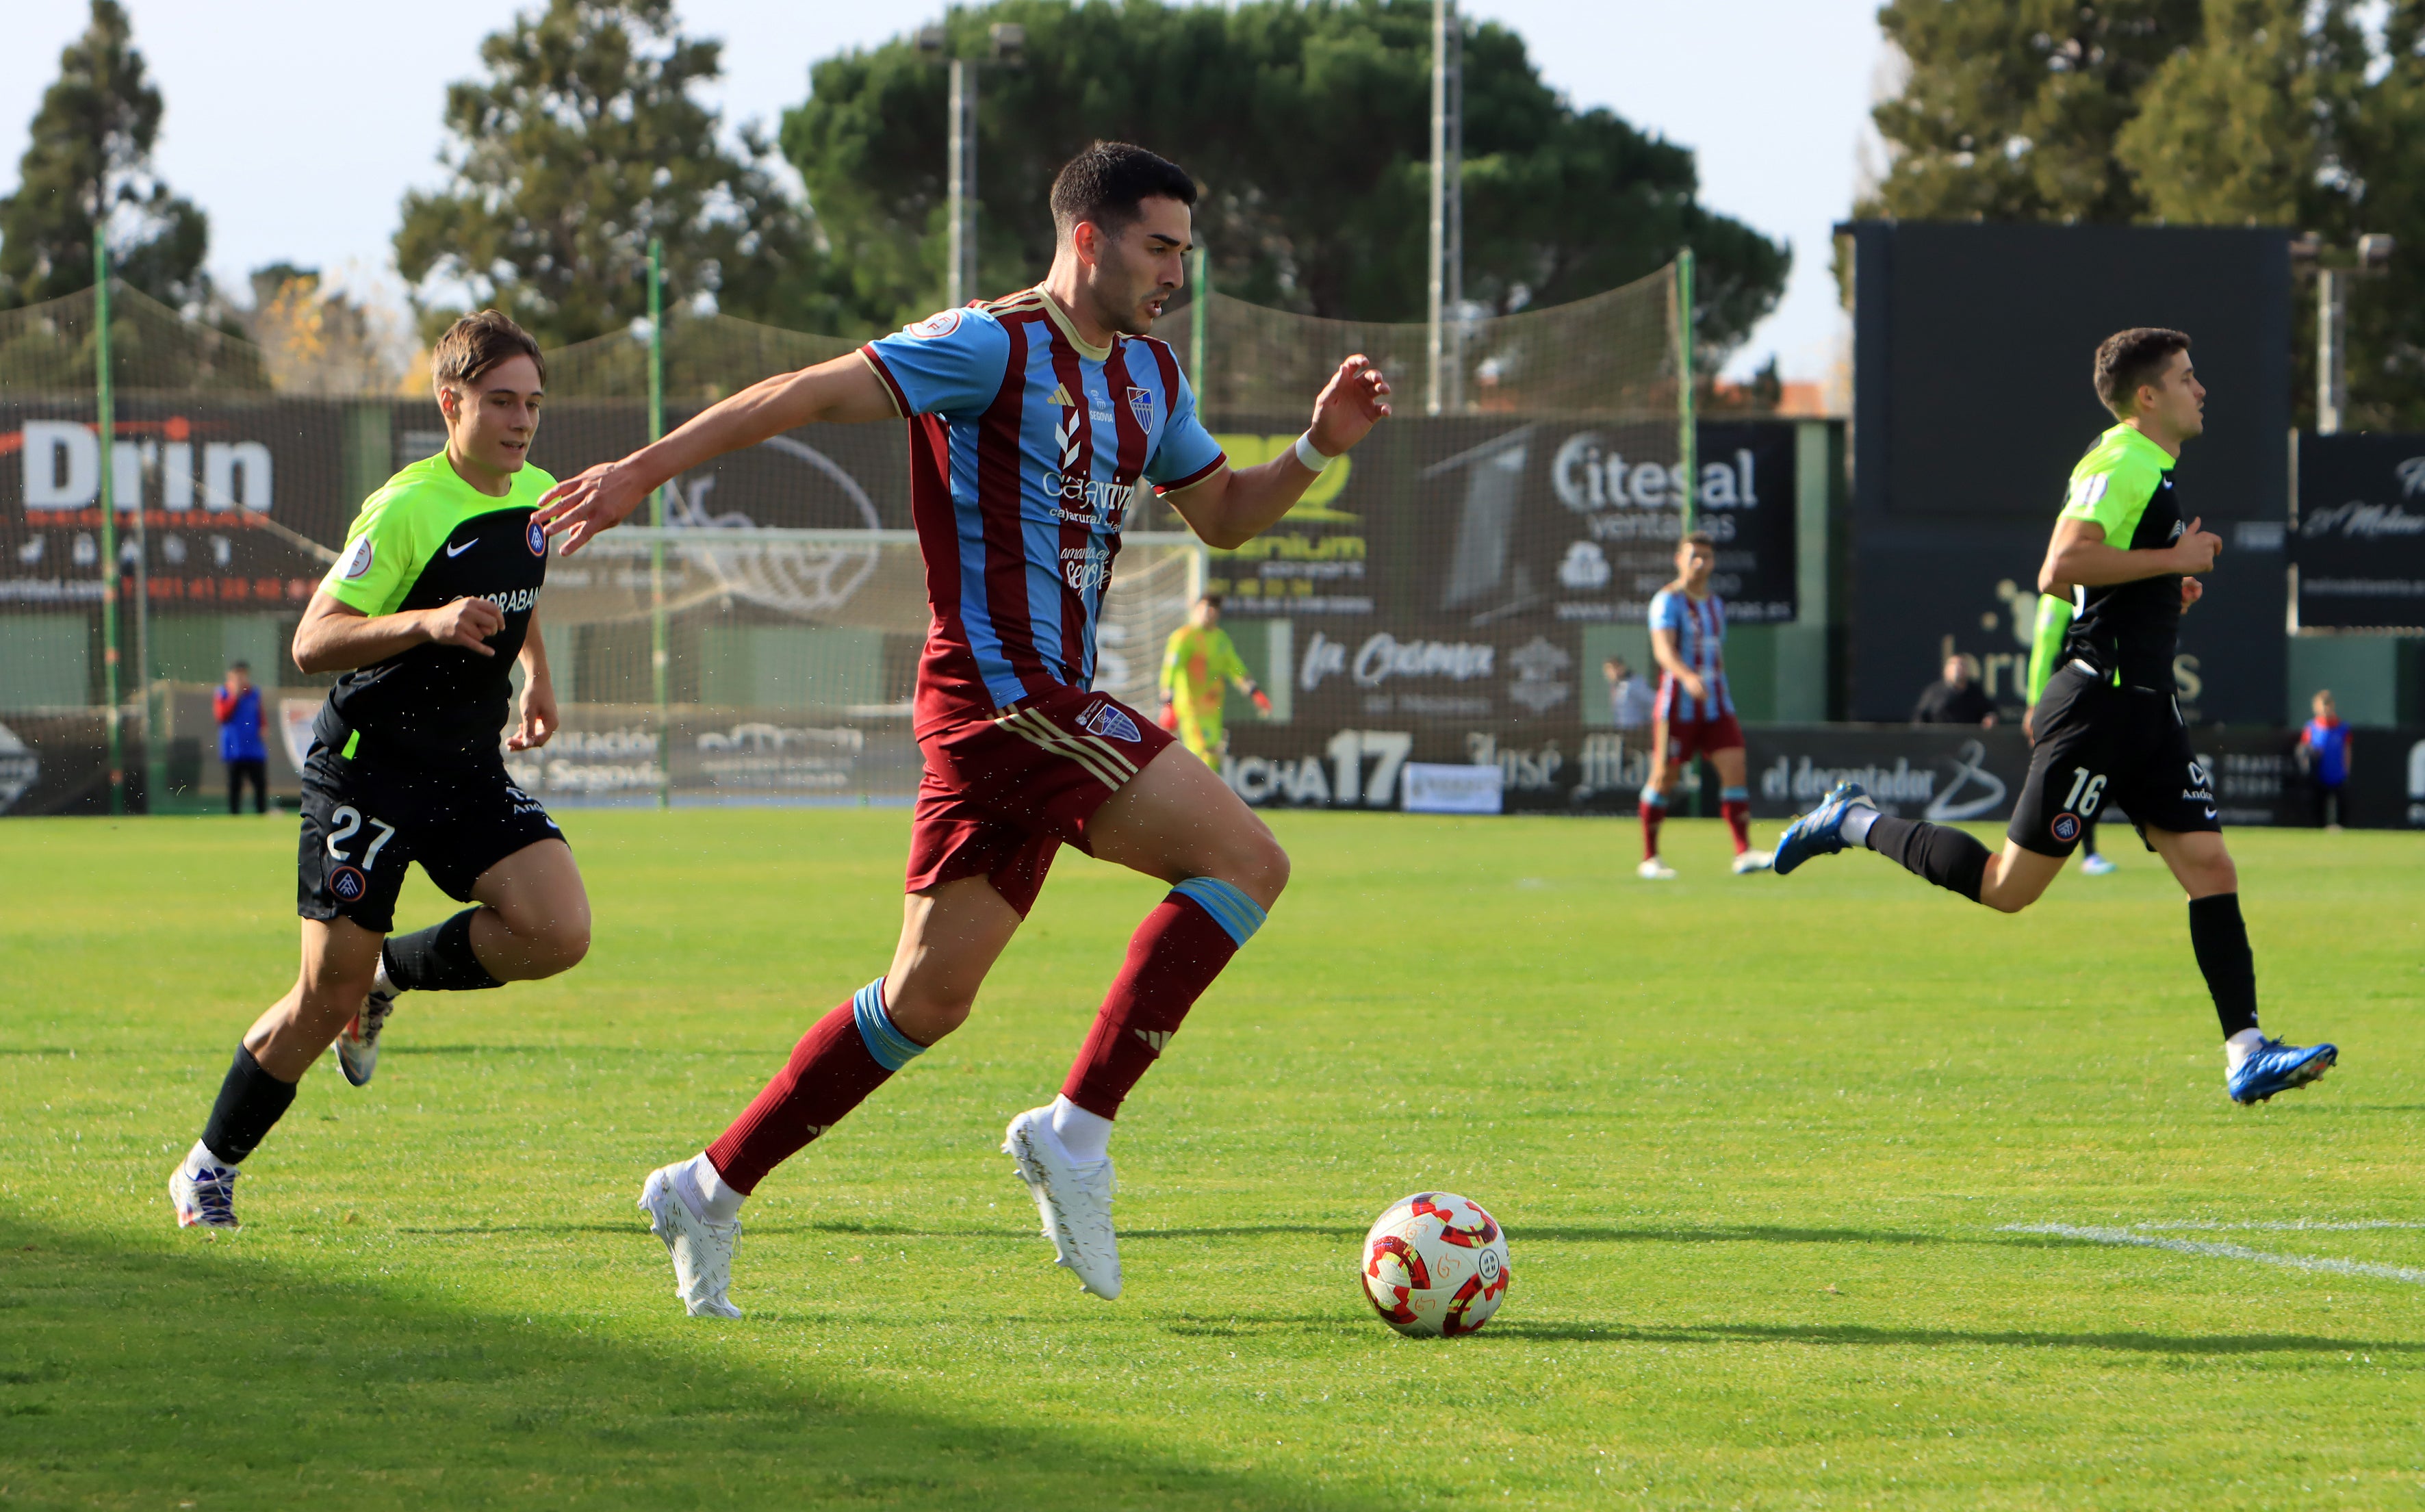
(1107, 182)
(239, 666)
(1212, 599)
(2129, 358)
(476, 344)
(1699, 538)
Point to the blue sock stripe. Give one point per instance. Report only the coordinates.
(1238, 915)
(892, 1049)
(1734, 795)
(1656, 797)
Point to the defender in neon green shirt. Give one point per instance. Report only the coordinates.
(2105, 723)
(1199, 663)
(429, 607)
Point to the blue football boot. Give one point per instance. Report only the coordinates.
(2274, 1066)
(1819, 832)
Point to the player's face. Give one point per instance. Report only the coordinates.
(1208, 614)
(1138, 267)
(2176, 400)
(1695, 563)
(490, 421)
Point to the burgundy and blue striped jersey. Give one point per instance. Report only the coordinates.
(1700, 628)
(1026, 446)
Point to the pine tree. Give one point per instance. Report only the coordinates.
(91, 159)
(580, 144)
(2013, 108)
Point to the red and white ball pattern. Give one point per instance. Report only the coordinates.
(1435, 1264)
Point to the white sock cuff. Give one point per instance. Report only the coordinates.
(704, 1190)
(1085, 1136)
(1857, 823)
(200, 1159)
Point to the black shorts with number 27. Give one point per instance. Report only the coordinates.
(363, 822)
(2098, 744)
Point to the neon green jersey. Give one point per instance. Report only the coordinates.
(1195, 665)
(425, 539)
(2125, 486)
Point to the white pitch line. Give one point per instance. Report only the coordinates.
(2196, 1247)
(2282, 1226)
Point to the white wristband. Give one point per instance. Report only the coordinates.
(1314, 461)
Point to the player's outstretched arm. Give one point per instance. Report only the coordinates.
(2077, 553)
(842, 392)
(1236, 505)
(335, 637)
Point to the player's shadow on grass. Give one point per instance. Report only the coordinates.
(1847, 1334)
(164, 1366)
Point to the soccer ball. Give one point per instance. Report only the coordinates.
(1435, 1264)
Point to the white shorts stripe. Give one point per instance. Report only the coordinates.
(1106, 765)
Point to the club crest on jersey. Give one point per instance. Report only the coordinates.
(1107, 719)
(1141, 401)
(358, 561)
(348, 884)
(2065, 827)
(537, 536)
(935, 326)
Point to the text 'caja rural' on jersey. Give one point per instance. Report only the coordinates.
(1026, 446)
(425, 539)
(1699, 626)
(2127, 632)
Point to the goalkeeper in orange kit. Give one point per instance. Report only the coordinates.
(1196, 664)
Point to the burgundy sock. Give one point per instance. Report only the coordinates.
(1738, 812)
(1651, 815)
(1172, 958)
(829, 1073)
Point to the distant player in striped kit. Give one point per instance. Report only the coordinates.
(1693, 715)
(1034, 420)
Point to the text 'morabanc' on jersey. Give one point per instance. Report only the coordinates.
(1026, 445)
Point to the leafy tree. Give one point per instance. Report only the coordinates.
(1309, 125)
(2013, 108)
(581, 143)
(90, 160)
(317, 340)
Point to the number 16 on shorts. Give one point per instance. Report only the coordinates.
(2087, 792)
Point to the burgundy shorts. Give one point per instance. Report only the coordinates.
(1000, 795)
(1688, 738)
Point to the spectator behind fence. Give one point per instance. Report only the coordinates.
(237, 705)
(1957, 699)
(2324, 752)
(1630, 698)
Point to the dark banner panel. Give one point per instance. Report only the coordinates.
(1973, 360)
(2359, 537)
(1939, 774)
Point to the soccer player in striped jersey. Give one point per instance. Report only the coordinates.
(1033, 421)
(1694, 714)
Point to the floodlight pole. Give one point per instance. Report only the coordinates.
(2331, 350)
(106, 404)
(1447, 369)
(1688, 432)
(1197, 300)
(960, 287)
(657, 658)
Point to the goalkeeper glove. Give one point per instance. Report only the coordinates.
(1262, 701)
(1169, 718)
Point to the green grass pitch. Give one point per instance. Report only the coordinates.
(1757, 1144)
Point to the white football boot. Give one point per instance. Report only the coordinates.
(207, 1201)
(1074, 1200)
(357, 1043)
(1754, 861)
(701, 1251)
(1655, 870)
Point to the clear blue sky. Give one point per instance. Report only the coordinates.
(299, 127)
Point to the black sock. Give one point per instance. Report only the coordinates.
(250, 1103)
(437, 958)
(2219, 937)
(1937, 852)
